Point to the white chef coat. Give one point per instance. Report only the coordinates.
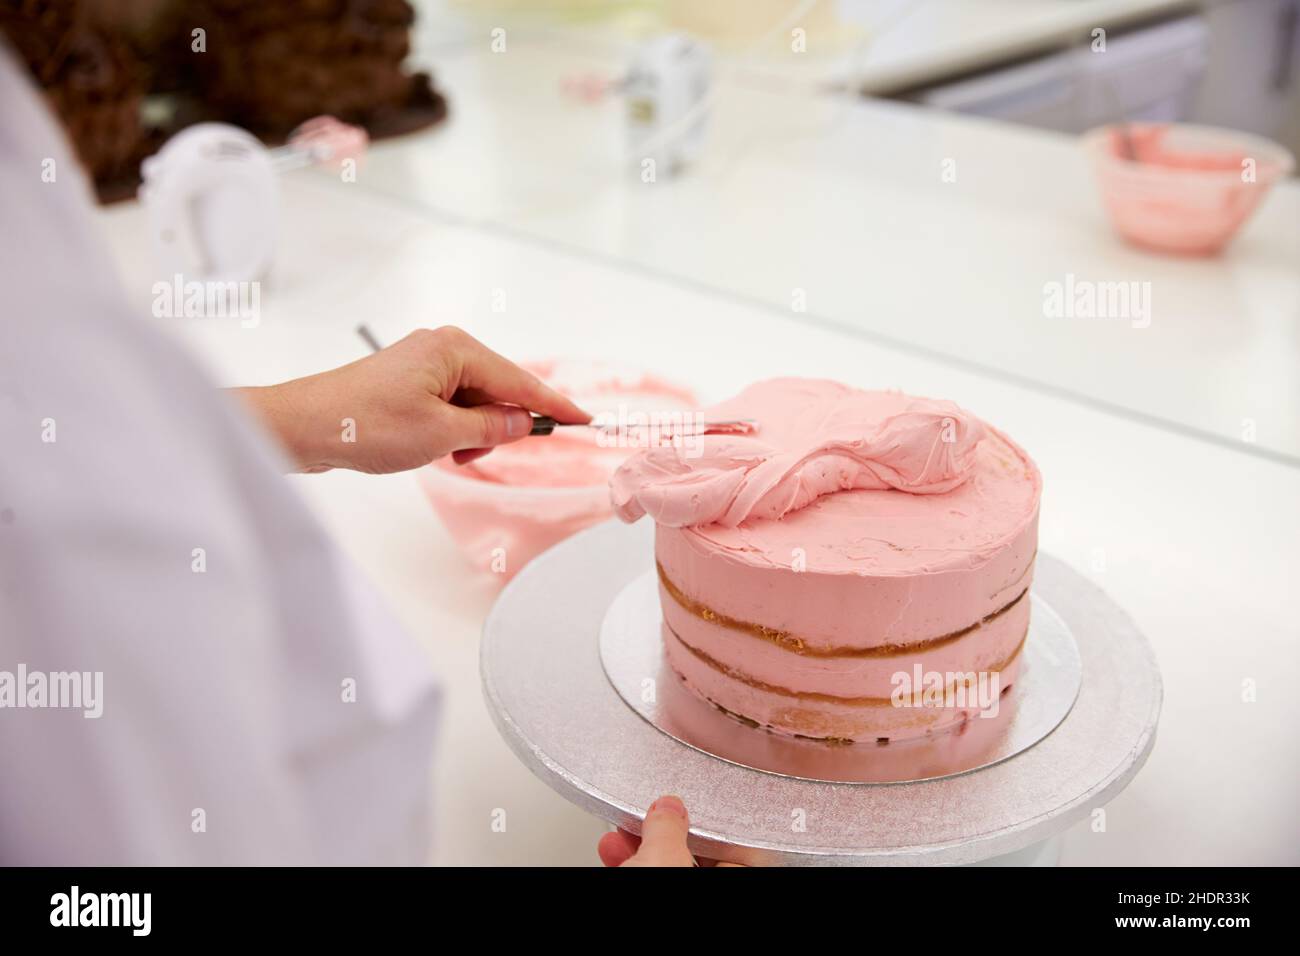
(228, 733)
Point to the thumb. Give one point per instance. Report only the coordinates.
(663, 836)
(485, 426)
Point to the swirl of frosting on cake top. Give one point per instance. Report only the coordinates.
(814, 438)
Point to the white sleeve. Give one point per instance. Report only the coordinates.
(258, 706)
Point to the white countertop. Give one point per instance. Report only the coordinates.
(1197, 542)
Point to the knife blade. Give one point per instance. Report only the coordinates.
(546, 425)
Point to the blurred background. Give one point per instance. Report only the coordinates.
(1078, 218)
(133, 65)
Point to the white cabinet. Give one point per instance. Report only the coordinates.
(1252, 80)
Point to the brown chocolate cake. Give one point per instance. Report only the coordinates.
(266, 66)
(92, 78)
(269, 66)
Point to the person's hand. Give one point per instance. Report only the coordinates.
(662, 841)
(431, 394)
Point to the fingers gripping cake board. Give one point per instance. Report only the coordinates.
(851, 569)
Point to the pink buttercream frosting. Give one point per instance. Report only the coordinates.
(814, 438)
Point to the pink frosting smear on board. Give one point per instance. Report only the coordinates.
(814, 438)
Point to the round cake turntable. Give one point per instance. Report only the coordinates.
(573, 675)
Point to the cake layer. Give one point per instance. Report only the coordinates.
(817, 715)
(984, 646)
(865, 607)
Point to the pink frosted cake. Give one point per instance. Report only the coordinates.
(815, 574)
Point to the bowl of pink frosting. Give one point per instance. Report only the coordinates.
(1181, 188)
(505, 508)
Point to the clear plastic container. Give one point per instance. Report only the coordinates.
(1181, 188)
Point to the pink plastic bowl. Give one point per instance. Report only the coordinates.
(508, 508)
(1188, 189)
(500, 528)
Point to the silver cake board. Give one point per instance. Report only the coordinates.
(549, 694)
